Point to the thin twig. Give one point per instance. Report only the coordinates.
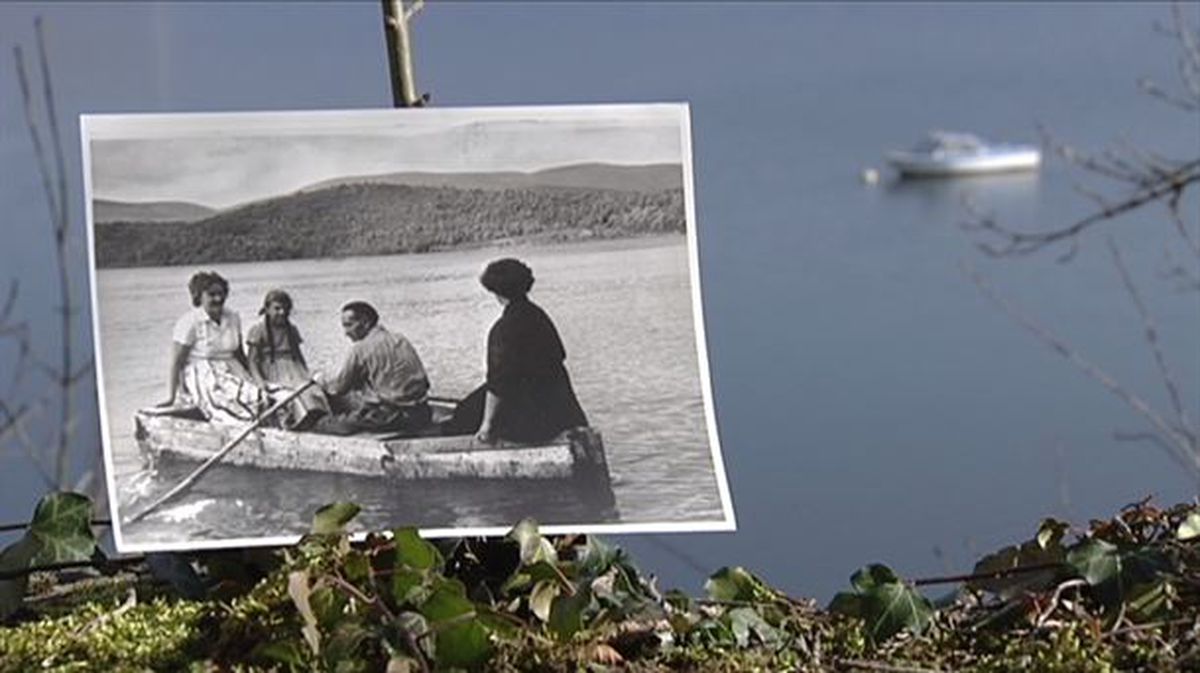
(1176, 441)
(1023, 242)
(996, 574)
(60, 226)
(1056, 597)
(1153, 439)
(866, 665)
(1164, 371)
(1181, 227)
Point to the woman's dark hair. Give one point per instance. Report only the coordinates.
(202, 280)
(276, 296)
(363, 311)
(507, 277)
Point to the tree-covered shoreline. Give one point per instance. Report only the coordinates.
(380, 219)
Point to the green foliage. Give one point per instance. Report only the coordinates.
(60, 531)
(1118, 576)
(158, 635)
(1123, 597)
(332, 519)
(15, 557)
(736, 584)
(1044, 550)
(884, 602)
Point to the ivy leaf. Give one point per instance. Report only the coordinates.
(1190, 528)
(849, 604)
(448, 601)
(1096, 561)
(462, 639)
(1044, 550)
(328, 606)
(566, 613)
(884, 602)
(597, 557)
(15, 556)
(356, 566)
(409, 586)
(62, 529)
(542, 597)
(736, 584)
(1050, 533)
(1151, 601)
(1114, 573)
(299, 590)
(746, 621)
(534, 547)
(414, 551)
(343, 645)
(332, 518)
(465, 645)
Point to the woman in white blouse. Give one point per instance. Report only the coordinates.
(209, 370)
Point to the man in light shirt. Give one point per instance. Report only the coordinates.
(381, 386)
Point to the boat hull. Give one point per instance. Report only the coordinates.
(576, 456)
(917, 165)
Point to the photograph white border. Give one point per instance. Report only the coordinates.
(95, 127)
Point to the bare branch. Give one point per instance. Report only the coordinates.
(10, 301)
(1015, 242)
(1155, 164)
(1177, 442)
(60, 167)
(1095, 197)
(1151, 334)
(1154, 439)
(1151, 89)
(1189, 61)
(18, 431)
(1082, 160)
(54, 183)
(1173, 210)
(39, 151)
(1186, 279)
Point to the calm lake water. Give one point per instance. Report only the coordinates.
(623, 310)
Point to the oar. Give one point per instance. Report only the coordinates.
(196, 474)
(443, 400)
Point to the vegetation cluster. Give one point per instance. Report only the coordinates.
(1124, 594)
(380, 219)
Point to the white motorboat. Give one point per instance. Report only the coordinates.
(943, 153)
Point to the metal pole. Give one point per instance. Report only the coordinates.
(400, 62)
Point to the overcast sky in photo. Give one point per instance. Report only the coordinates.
(223, 160)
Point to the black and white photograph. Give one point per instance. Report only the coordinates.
(455, 318)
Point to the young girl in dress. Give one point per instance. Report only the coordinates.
(275, 356)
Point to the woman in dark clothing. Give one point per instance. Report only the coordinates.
(528, 395)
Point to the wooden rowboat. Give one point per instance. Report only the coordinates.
(576, 457)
